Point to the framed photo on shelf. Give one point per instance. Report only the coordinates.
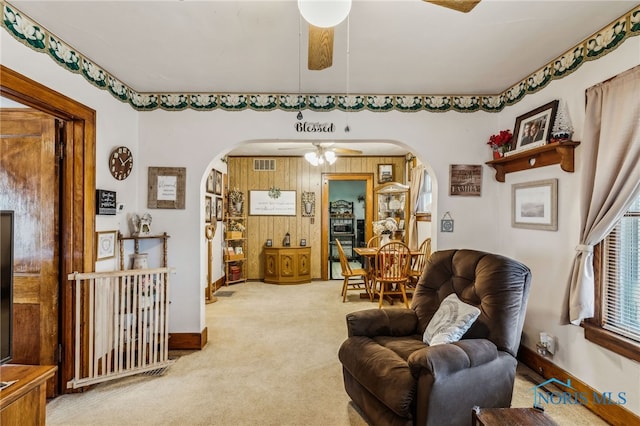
(218, 209)
(533, 128)
(303, 242)
(269, 243)
(534, 205)
(208, 206)
(385, 173)
(106, 244)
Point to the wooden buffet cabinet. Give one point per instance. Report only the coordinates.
(287, 265)
(24, 402)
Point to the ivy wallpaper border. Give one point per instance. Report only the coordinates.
(34, 36)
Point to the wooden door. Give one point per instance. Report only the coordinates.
(29, 185)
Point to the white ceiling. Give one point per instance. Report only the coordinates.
(259, 46)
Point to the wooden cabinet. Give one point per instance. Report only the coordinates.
(546, 155)
(392, 200)
(235, 256)
(287, 265)
(24, 402)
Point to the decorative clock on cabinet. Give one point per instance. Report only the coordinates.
(121, 162)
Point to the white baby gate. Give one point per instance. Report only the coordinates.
(121, 324)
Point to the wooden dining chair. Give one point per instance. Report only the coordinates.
(418, 262)
(354, 279)
(391, 272)
(373, 241)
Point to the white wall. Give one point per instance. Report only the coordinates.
(198, 140)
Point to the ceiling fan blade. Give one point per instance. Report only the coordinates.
(346, 151)
(320, 48)
(459, 5)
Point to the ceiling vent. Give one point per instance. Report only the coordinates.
(264, 165)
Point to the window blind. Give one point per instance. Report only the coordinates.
(621, 292)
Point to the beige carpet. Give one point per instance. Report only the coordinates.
(271, 360)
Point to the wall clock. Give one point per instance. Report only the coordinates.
(120, 162)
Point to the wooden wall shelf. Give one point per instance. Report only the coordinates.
(546, 155)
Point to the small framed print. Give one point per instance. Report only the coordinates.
(208, 206)
(218, 183)
(385, 173)
(211, 181)
(269, 243)
(218, 209)
(166, 188)
(106, 244)
(303, 243)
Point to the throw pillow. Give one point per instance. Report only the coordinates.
(452, 319)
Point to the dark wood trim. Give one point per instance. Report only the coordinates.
(611, 341)
(77, 209)
(188, 340)
(611, 413)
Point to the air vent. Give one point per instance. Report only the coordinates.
(264, 165)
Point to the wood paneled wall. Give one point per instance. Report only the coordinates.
(295, 174)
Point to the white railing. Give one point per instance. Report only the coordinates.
(121, 324)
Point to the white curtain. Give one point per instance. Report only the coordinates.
(611, 179)
(417, 176)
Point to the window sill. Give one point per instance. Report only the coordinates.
(612, 341)
(423, 217)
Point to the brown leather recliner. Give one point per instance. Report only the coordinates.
(396, 379)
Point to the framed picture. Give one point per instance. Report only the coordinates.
(166, 187)
(303, 243)
(533, 128)
(219, 209)
(385, 173)
(218, 183)
(465, 179)
(534, 205)
(208, 206)
(269, 243)
(106, 244)
(211, 181)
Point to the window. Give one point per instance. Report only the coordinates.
(618, 286)
(424, 199)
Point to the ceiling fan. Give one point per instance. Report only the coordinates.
(324, 15)
(323, 152)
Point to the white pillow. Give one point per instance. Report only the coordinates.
(452, 319)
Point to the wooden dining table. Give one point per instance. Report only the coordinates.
(369, 254)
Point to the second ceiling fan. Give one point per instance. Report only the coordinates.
(324, 15)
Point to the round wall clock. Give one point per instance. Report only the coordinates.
(120, 162)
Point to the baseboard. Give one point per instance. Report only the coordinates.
(614, 414)
(188, 340)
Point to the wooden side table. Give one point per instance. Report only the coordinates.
(511, 416)
(24, 402)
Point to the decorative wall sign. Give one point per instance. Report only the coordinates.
(446, 224)
(465, 179)
(264, 203)
(105, 202)
(308, 204)
(166, 187)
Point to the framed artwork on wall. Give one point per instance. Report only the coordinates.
(166, 187)
(211, 181)
(208, 206)
(218, 183)
(534, 205)
(465, 179)
(218, 208)
(385, 173)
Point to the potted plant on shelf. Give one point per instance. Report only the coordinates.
(236, 197)
(500, 143)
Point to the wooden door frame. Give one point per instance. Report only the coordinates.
(368, 211)
(77, 207)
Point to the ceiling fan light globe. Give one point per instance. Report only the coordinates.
(312, 158)
(330, 156)
(324, 13)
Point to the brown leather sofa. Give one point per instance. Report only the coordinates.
(396, 379)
